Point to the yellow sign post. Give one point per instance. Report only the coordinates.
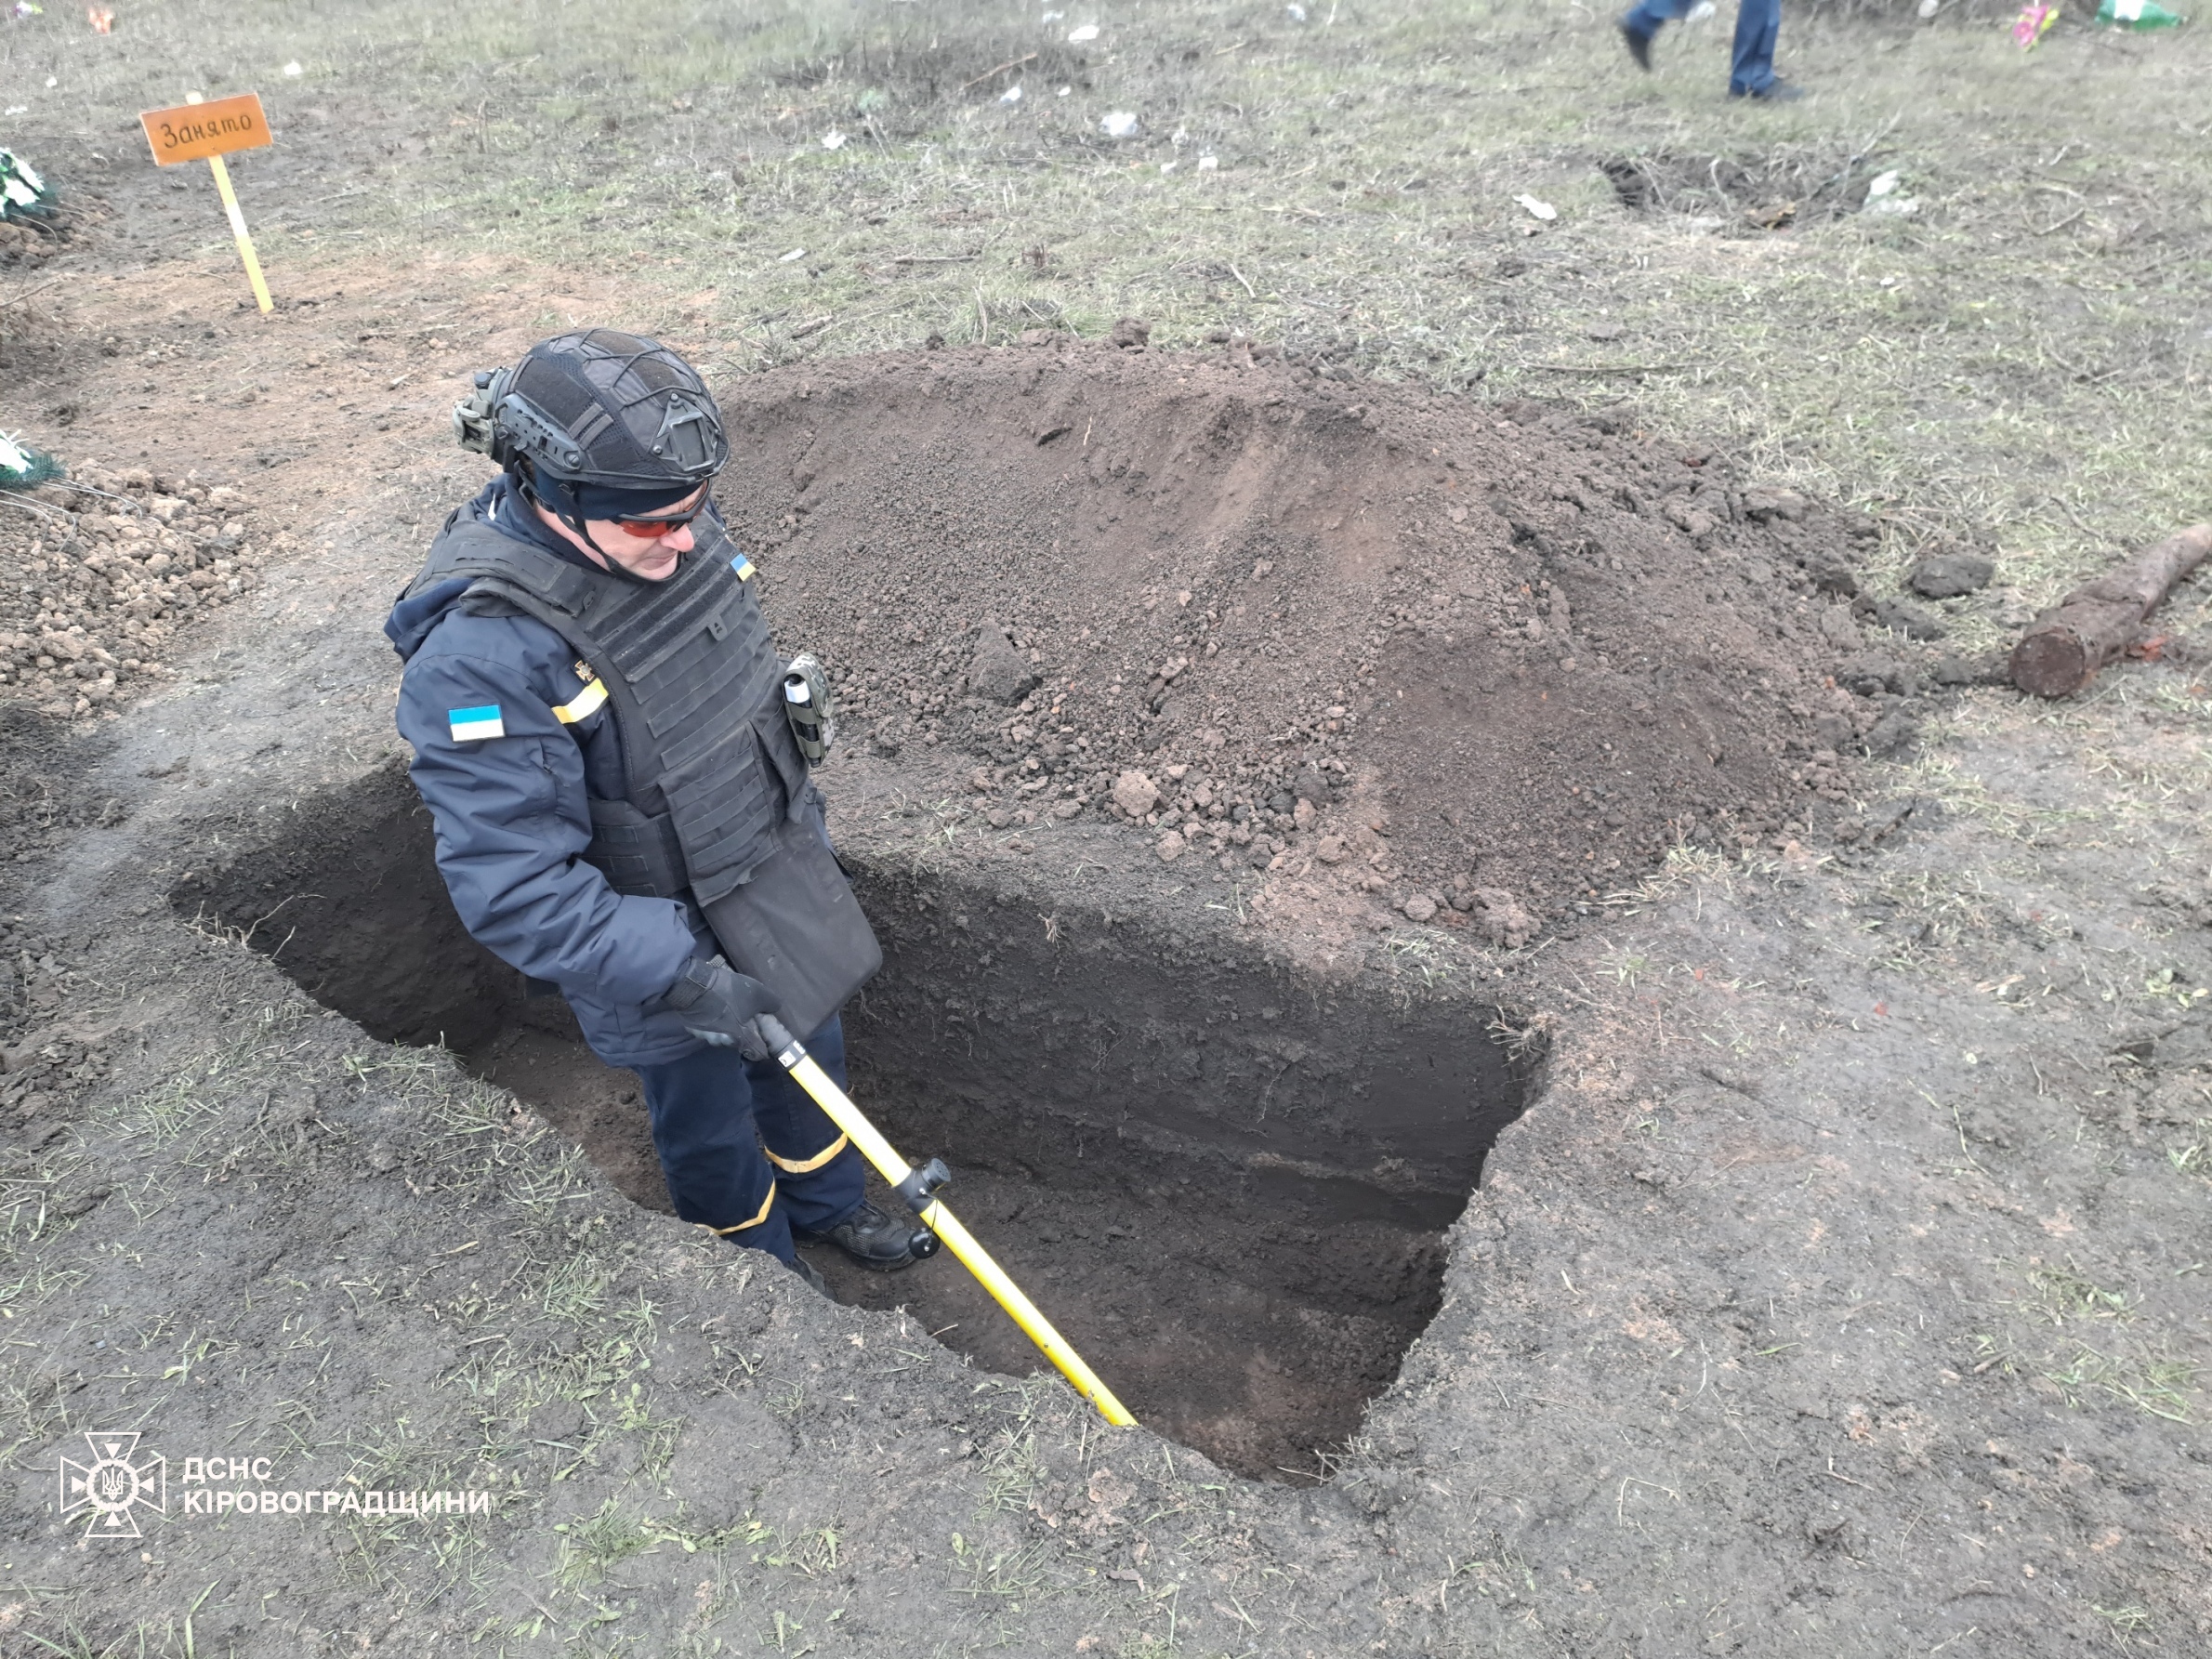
(196, 130)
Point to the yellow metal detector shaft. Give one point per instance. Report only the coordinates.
(793, 1057)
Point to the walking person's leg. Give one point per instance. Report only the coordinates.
(1759, 23)
(1640, 24)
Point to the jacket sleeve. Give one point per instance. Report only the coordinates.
(505, 785)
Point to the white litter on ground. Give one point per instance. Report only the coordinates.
(1885, 196)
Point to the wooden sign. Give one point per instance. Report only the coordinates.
(199, 132)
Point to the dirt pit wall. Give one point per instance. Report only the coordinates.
(1225, 1178)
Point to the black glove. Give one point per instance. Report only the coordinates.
(718, 1005)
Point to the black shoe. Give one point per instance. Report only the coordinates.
(1776, 91)
(812, 1275)
(869, 1237)
(1639, 46)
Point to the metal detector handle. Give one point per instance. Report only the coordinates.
(921, 1184)
(776, 1039)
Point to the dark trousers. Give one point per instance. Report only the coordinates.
(1757, 24)
(744, 1146)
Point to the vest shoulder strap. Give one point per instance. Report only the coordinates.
(470, 547)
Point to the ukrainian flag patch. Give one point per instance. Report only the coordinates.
(744, 567)
(471, 725)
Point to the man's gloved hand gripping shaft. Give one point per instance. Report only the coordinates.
(718, 1004)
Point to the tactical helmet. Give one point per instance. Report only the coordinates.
(596, 409)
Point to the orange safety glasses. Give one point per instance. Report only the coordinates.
(647, 530)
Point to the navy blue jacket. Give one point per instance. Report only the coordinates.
(507, 783)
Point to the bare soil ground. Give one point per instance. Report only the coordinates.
(1839, 1281)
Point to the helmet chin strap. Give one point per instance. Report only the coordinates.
(572, 515)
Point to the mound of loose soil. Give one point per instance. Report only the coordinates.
(26, 243)
(97, 572)
(1437, 647)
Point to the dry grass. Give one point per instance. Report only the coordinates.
(2024, 361)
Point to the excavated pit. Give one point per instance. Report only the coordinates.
(1224, 1181)
(1356, 661)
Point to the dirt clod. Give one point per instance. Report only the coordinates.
(1766, 503)
(1950, 575)
(1135, 794)
(998, 672)
(1899, 617)
(1499, 919)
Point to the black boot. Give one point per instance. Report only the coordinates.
(869, 1237)
(812, 1276)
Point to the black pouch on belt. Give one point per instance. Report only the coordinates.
(796, 927)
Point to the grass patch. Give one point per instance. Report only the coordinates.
(2022, 362)
(590, 1548)
(2108, 1352)
(2159, 1384)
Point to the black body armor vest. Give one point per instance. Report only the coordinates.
(719, 790)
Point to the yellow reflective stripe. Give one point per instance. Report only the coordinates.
(816, 1162)
(587, 703)
(741, 1226)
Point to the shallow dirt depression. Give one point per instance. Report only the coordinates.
(1226, 1186)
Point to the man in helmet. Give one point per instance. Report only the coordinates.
(623, 809)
